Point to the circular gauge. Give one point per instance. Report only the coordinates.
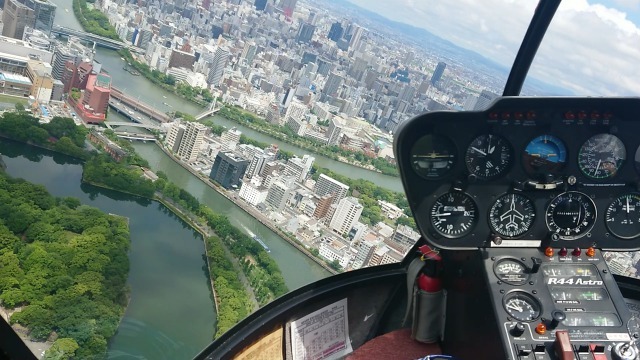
(511, 271)
(488, 156)
(433, 156)
(571, 215)
(623, 216)
(453, 215)
(545, 154)
(601, 156)
(511, 215)
(522, 306)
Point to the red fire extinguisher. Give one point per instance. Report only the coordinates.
(429, 300)
(429, 279)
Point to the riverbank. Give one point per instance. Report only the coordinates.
(38, 348)
(252, 212)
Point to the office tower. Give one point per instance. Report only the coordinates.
(484, 100)
(296, 110)
(305, 33)
(356, 36)
(336, 31)
(97, 93)
(279, 192)
(174, 136)
(191, 142)
(331, 86)
(216, 69)
(228, 169)
(230, 138)
(299, 168)
(16, 17)
(437, 73)
(322, 206)
(330, 186)
(334, 131)
(71, 51)
(44, 13)
(346, 215)
(252, 192)
(260, 4)
(405, 236)
(249, 52)
(288, 6)
(257, 164)
(40, 75)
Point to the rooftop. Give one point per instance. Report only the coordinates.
(15, 78)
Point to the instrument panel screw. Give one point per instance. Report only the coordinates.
(572, 180)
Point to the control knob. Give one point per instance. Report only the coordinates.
(624, 351)
(517, 330)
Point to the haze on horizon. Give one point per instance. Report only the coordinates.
(590, 48)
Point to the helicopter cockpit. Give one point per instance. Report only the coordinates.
(522, 201)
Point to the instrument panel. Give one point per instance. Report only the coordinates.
(527, 172)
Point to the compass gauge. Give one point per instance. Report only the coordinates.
(512, 215)
(623, 216)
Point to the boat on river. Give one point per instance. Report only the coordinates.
(257, 239)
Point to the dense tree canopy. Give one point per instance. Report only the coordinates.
(65, 264)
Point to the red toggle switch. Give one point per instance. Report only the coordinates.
(562, 345)
(563, 252)
(576, 252)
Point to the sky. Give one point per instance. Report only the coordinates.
(591, 48)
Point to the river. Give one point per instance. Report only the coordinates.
(156, 96)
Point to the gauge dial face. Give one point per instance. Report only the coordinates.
(623, 216)
(571, 215)
(433, 156)
(522, 306)
(511, 271)
(512, 215)
(601, 156)
(489, 156)
(454, 215)
(545, 154)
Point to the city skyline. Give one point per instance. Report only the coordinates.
(499, 40)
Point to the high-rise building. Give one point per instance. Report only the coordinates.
(346, 215)
(326, 185)
(305, 33)
(182, 59)
(253, 192)
(249, 52)
(484, 100)
(279, 192)
(15, 17)
(228, 169)
(71, 51)
(356, 36)
(230, 138)
(405, 236)
(331, 86)
(97, 92)
(299, 168)
(257, 164)
(437, 73)
(334, 131)
(216, 69)
(260, 5)
(336, 31)
(44, 13)
(174, 136)
(323, 205)
(191, 142)
(40, 75)
(288, 6)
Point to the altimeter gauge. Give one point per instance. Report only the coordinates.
(623, 216)
(512, 215)
(489, 156)
(433, 156)
(453, 215)
(571, 215)
(601, 156)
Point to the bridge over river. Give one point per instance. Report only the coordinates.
(98, 40)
